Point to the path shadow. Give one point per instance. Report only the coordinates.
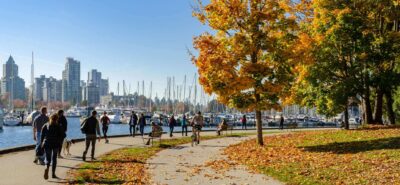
(356, 146)
(177, 147)
(213, 146)
(77, 168)
(125, 145)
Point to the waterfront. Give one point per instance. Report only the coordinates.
(22, 135)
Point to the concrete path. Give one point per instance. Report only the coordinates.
(18, 168)
(202, 164)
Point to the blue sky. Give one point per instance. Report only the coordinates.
(124, 39)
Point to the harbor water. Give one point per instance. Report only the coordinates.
(22, 135)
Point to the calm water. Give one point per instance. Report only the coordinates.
(19, 136)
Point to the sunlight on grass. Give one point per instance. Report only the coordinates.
(325, 157)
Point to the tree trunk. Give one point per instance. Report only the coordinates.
(346, 118)
(367, 107)
(389, 105)
(260, 140)
(378, 106)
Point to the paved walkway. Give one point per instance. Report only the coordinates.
(202, 164)
(18, 168)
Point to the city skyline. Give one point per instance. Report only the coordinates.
(131, 49)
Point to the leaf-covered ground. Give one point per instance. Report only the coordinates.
(369, 156)
(125, 166)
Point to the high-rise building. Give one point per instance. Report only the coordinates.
(38, 86)
(92, 94)
(94, 88)
(71, 79)
(11, 80)
(94, 77)
(52, 90)
(47, 89)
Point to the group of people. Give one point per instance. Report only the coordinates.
(136, 122)
(50, 133)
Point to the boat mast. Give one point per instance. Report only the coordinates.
(11, 97)
(150, 96)
(32, 84)
(195, 92)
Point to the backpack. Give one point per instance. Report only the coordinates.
(84, 126)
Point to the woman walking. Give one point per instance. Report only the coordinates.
(52, 134)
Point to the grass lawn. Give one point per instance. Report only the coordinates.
(369, 156)
(127, 165)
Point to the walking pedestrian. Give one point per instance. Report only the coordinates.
(197, 125)
(105, 121)
(172, 123)
(90, 126)
(51, 135)
(64, 127)
(132, 124)
(38, 123)
(281, 123)
(184, 125)
(244, 122)
(142, 123)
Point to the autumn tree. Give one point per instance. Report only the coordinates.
(245, 60)
(383, 22)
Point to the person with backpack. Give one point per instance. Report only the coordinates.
(172, 123)
(105, 121)
(90, 127)
(51, 134)
(132, 124)
(38, 123)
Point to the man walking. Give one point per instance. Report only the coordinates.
(38, 123)
(64, 126)
(184, 125)
(142, 123)
(105, 121)
(132, 124)
(90, 126)
(281, 123)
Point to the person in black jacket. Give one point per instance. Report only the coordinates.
(91, 125)
(172, 123)
(50, 141)
(142, 123)
(64, 126)
(132, 124)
